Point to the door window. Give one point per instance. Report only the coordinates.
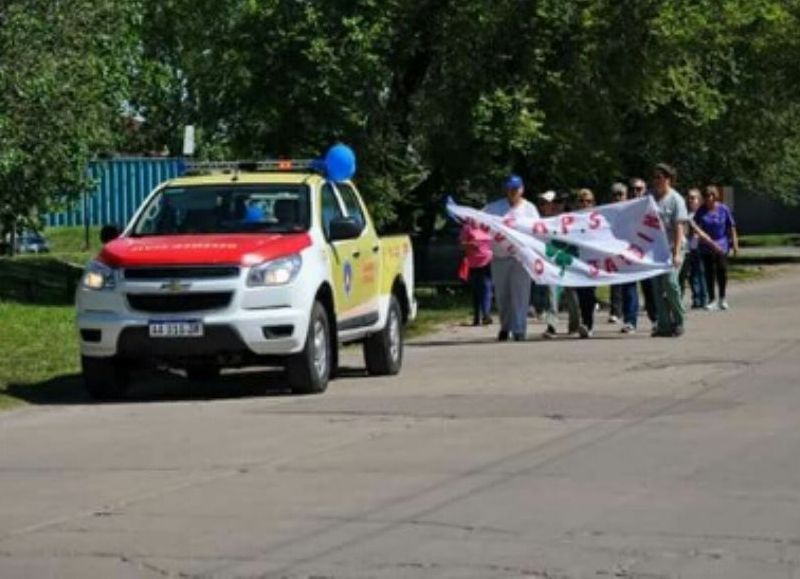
(351, 203)
(330, 208)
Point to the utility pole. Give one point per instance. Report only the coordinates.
(85, 220)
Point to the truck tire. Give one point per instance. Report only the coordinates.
(383, 351)
(309, 371)
(105, 378)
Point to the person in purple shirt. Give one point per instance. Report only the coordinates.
(715, 219)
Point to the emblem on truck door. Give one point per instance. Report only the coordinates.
(175, 286)
(348, 278)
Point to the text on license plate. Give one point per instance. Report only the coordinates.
(176, 329)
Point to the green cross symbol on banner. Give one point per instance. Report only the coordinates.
(561, 254)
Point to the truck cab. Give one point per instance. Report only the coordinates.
(236, 265)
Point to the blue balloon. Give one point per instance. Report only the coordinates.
(340, 163)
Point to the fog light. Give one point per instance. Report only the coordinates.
(275, 332)
(91, 335)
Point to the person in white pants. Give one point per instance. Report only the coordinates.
(512, 283)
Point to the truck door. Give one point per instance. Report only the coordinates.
(366, 257)
(340, 259)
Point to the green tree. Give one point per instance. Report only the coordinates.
(433, 93)
(64, 71)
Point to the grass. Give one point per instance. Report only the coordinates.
(39, 344)
(770, 240)
(439, 307)
(69, 243)
(741, 272)
(72, 239)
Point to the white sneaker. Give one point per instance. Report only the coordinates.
(612, 319)
(723, 305)
(585, 332)
(628, 329)
(712, 306)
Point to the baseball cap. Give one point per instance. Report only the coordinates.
(548, 196)
(514, 182)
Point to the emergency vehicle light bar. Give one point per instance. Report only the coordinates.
(267, 165)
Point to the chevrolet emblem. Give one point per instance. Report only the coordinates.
(175, 286)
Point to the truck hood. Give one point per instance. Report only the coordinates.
(238, 249)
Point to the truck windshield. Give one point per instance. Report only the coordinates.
(226, 209)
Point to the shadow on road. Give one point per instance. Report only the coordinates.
(489, 341)
(167, 386)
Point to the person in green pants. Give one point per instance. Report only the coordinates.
(672, 211)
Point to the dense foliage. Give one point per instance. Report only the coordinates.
(432, 94)
(64, 76)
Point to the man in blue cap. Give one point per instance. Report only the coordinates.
(511, 282)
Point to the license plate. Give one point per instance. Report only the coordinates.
(176, 329)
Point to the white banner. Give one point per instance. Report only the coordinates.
(603, 245)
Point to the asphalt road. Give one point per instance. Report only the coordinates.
(612, 457)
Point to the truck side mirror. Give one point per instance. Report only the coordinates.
(109, 233)
(343, 228)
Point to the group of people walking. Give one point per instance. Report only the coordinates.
(700, 230)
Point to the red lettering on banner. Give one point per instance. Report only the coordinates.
(624, 259)
(646, 238)
(538, 266)
(499, 237)
(595, 220)
(636, 250)
(540, 228)
(485, 228)
(511, 249)
(509, 221)
(567, 221)
(594, 267)
(611, 267)
(652, 221)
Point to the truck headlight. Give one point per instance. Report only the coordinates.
(98, 276)
(277, 272)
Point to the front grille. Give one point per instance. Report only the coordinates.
(177, 303)
(186, 272)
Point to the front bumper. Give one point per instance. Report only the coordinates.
(259, 322)
(246, 332)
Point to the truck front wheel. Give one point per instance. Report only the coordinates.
(309, 371)
(105, 378)
(383, 352)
